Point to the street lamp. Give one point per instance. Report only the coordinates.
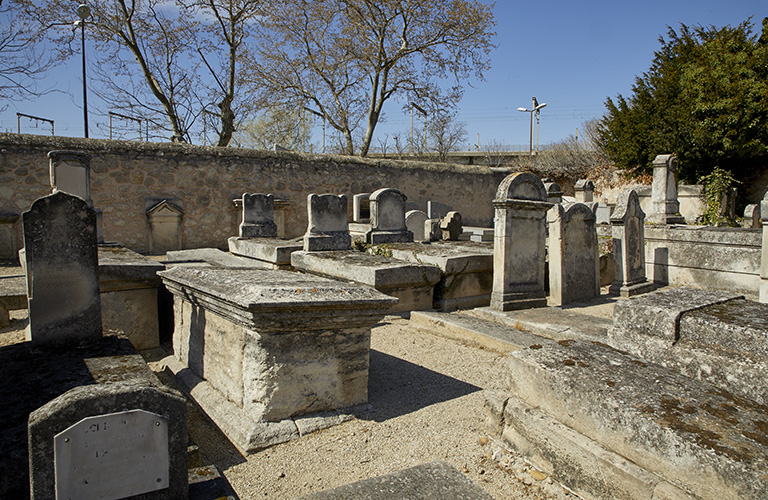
(535, 108)
(83, 12)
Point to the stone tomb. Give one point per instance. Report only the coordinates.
(574, 268)
(62, 271)
(519, 243)
(327, 228)
(388, 218)
(257, 349)
(411, 283)
(467, 271)
(717, 337)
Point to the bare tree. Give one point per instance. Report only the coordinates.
(21, 63)
(347, 58)
(446, 134)
(287, 128)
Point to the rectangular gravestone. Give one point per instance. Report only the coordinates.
(258, 216)
(328, 228)
(388, 218)
(62, 270)
(574, 273)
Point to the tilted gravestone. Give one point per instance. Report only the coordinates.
(112, 440)
(258, 216)
(328, 228)
(628, 228)
(519, 245)
(388, 218)
(574, 272)
(451, 226)
(62, 271)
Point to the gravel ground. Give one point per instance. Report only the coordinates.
(425, 404)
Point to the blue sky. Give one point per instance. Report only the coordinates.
(571, 55)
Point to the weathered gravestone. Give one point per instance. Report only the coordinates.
(62, 271)
(554, 192)
(328, 228)
(110, 441)
(8, 235)
(414, 221)
(165, 219)
(388, 218)
(628, 228)
(752, 216)
(70, 172)
(519, 245)
(574, 272)
(258, 216)
(451, 226)
(584, 191)
(763, 293)
(665, 207)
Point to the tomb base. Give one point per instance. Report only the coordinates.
(318, 242)
(517, 301)
(380, 237)
(631, 290)
(274, 345)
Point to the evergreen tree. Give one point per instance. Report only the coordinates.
(704, 98)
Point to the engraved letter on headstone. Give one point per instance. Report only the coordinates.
(112, 456)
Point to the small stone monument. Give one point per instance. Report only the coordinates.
(62, 271)
(361, 208)
(519, 245)
(752, 216)
(388, 218)
(665, 209)
(554, 192)
(574, 272)
(451, 226)
(70, 172)
(8, 248)
(627, 226)
(584, 191)
(414, 221)
(328, 228)
(432, 231)
(258, 216)
(165, 218)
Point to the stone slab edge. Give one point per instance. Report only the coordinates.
(533, 321)
(580, 463)
(474, 331)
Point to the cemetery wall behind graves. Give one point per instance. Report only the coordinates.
(128, 178)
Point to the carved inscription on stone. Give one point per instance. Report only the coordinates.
(112, 456)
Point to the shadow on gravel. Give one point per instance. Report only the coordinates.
(397, 387)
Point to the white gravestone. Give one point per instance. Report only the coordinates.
(112, 456)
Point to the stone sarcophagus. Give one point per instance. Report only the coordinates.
(262, 347)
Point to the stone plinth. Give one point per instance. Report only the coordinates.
(467, 271)
(128, 283)
(412, 284)
(263, 347)
(275, 253)
(519, 243)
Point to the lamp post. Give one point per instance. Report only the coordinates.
(535, 108)
(83, 12)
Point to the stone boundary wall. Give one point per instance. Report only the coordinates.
(704, 257)
(127, 177)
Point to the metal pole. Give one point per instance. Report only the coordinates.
(411, 128)
(538, 127)
(85, 89)
(530, 147)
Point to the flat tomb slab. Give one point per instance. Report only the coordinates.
(467, 267)
(211, 257)
(270, 250)
(686, 432)
(717, 337)
(412, 284)
(432, 481)
(272, 345)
